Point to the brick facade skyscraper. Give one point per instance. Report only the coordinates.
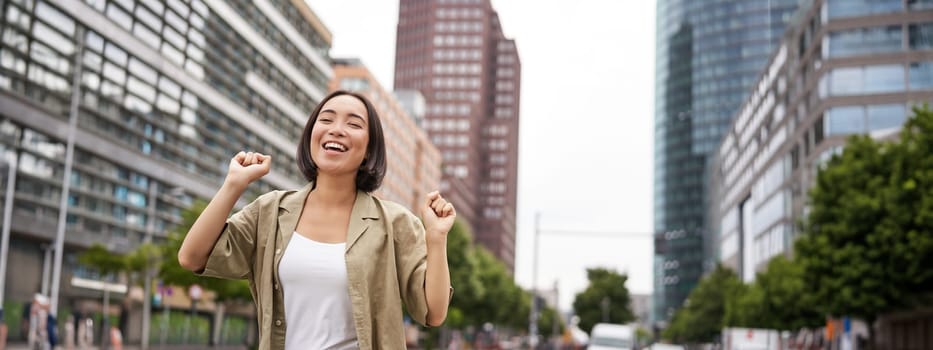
(455, 53)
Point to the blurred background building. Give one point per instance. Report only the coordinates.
(455, 54)
(641, 308)
(842, 68)
(708, 55)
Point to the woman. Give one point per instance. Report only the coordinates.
(329, 262)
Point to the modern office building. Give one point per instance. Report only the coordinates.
(413, 161)
(844, 67)
(455, 53)
(708, 54)
(641, 308)
(160, 94)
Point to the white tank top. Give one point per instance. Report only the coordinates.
(318, 313)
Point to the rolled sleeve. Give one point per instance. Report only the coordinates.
(233, 252)
(412, 262)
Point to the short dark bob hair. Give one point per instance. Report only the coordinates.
(369, 176)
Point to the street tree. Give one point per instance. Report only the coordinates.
(101, 259)
(778, 299)
(700, 319)
(464, 277)
(866, 248)
(504, 303)
(605, 299)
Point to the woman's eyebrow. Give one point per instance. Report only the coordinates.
(358, 116)
(352, 115)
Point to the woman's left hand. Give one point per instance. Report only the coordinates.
(438, 215)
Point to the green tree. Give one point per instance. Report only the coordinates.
(101, 259)
(464, 277)
(606, 289)
(136, 260)
(700, 319)
(778, 299)
(546, 322)
(503, 303)
(866, 248)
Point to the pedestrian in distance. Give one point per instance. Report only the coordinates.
(329, 265)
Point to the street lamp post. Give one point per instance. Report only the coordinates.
(66, 177)
(5, 240)
(147, 282)
(533, 317)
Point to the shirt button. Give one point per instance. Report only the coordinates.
(278, 322)
(275, 286)
(278, 251)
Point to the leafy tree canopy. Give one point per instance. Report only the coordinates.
(605, 287)
(866, 247)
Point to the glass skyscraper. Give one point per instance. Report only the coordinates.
(708, 55)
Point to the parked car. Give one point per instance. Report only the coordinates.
(608, 336)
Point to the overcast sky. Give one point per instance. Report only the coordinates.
(586, 132)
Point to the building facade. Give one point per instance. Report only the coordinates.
(455, 54)
(844, 67)
(708, 54)
(413, 160)
(161, 95)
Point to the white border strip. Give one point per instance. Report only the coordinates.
(295, 37)
(240, 25)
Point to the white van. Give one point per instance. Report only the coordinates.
(608, 336)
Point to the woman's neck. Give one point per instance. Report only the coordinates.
(334, 189)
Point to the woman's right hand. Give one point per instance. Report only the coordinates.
(246, 167)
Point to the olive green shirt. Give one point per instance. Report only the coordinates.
(386, 261)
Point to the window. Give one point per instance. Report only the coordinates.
(142, 71)
(114, 73)
(866, 80)
(920, 4)
(854, 8)
(886, 116)
(884, 78)
(865, 41)
(921, 36)
(119, 16)
(921, 76)
(845, 120)
(146, 35)
(845, 81)
(354, 84)
(53, 38)
(115, 54)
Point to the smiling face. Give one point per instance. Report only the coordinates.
(340, 136)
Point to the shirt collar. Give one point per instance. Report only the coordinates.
(364, 207)
(364, 210)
